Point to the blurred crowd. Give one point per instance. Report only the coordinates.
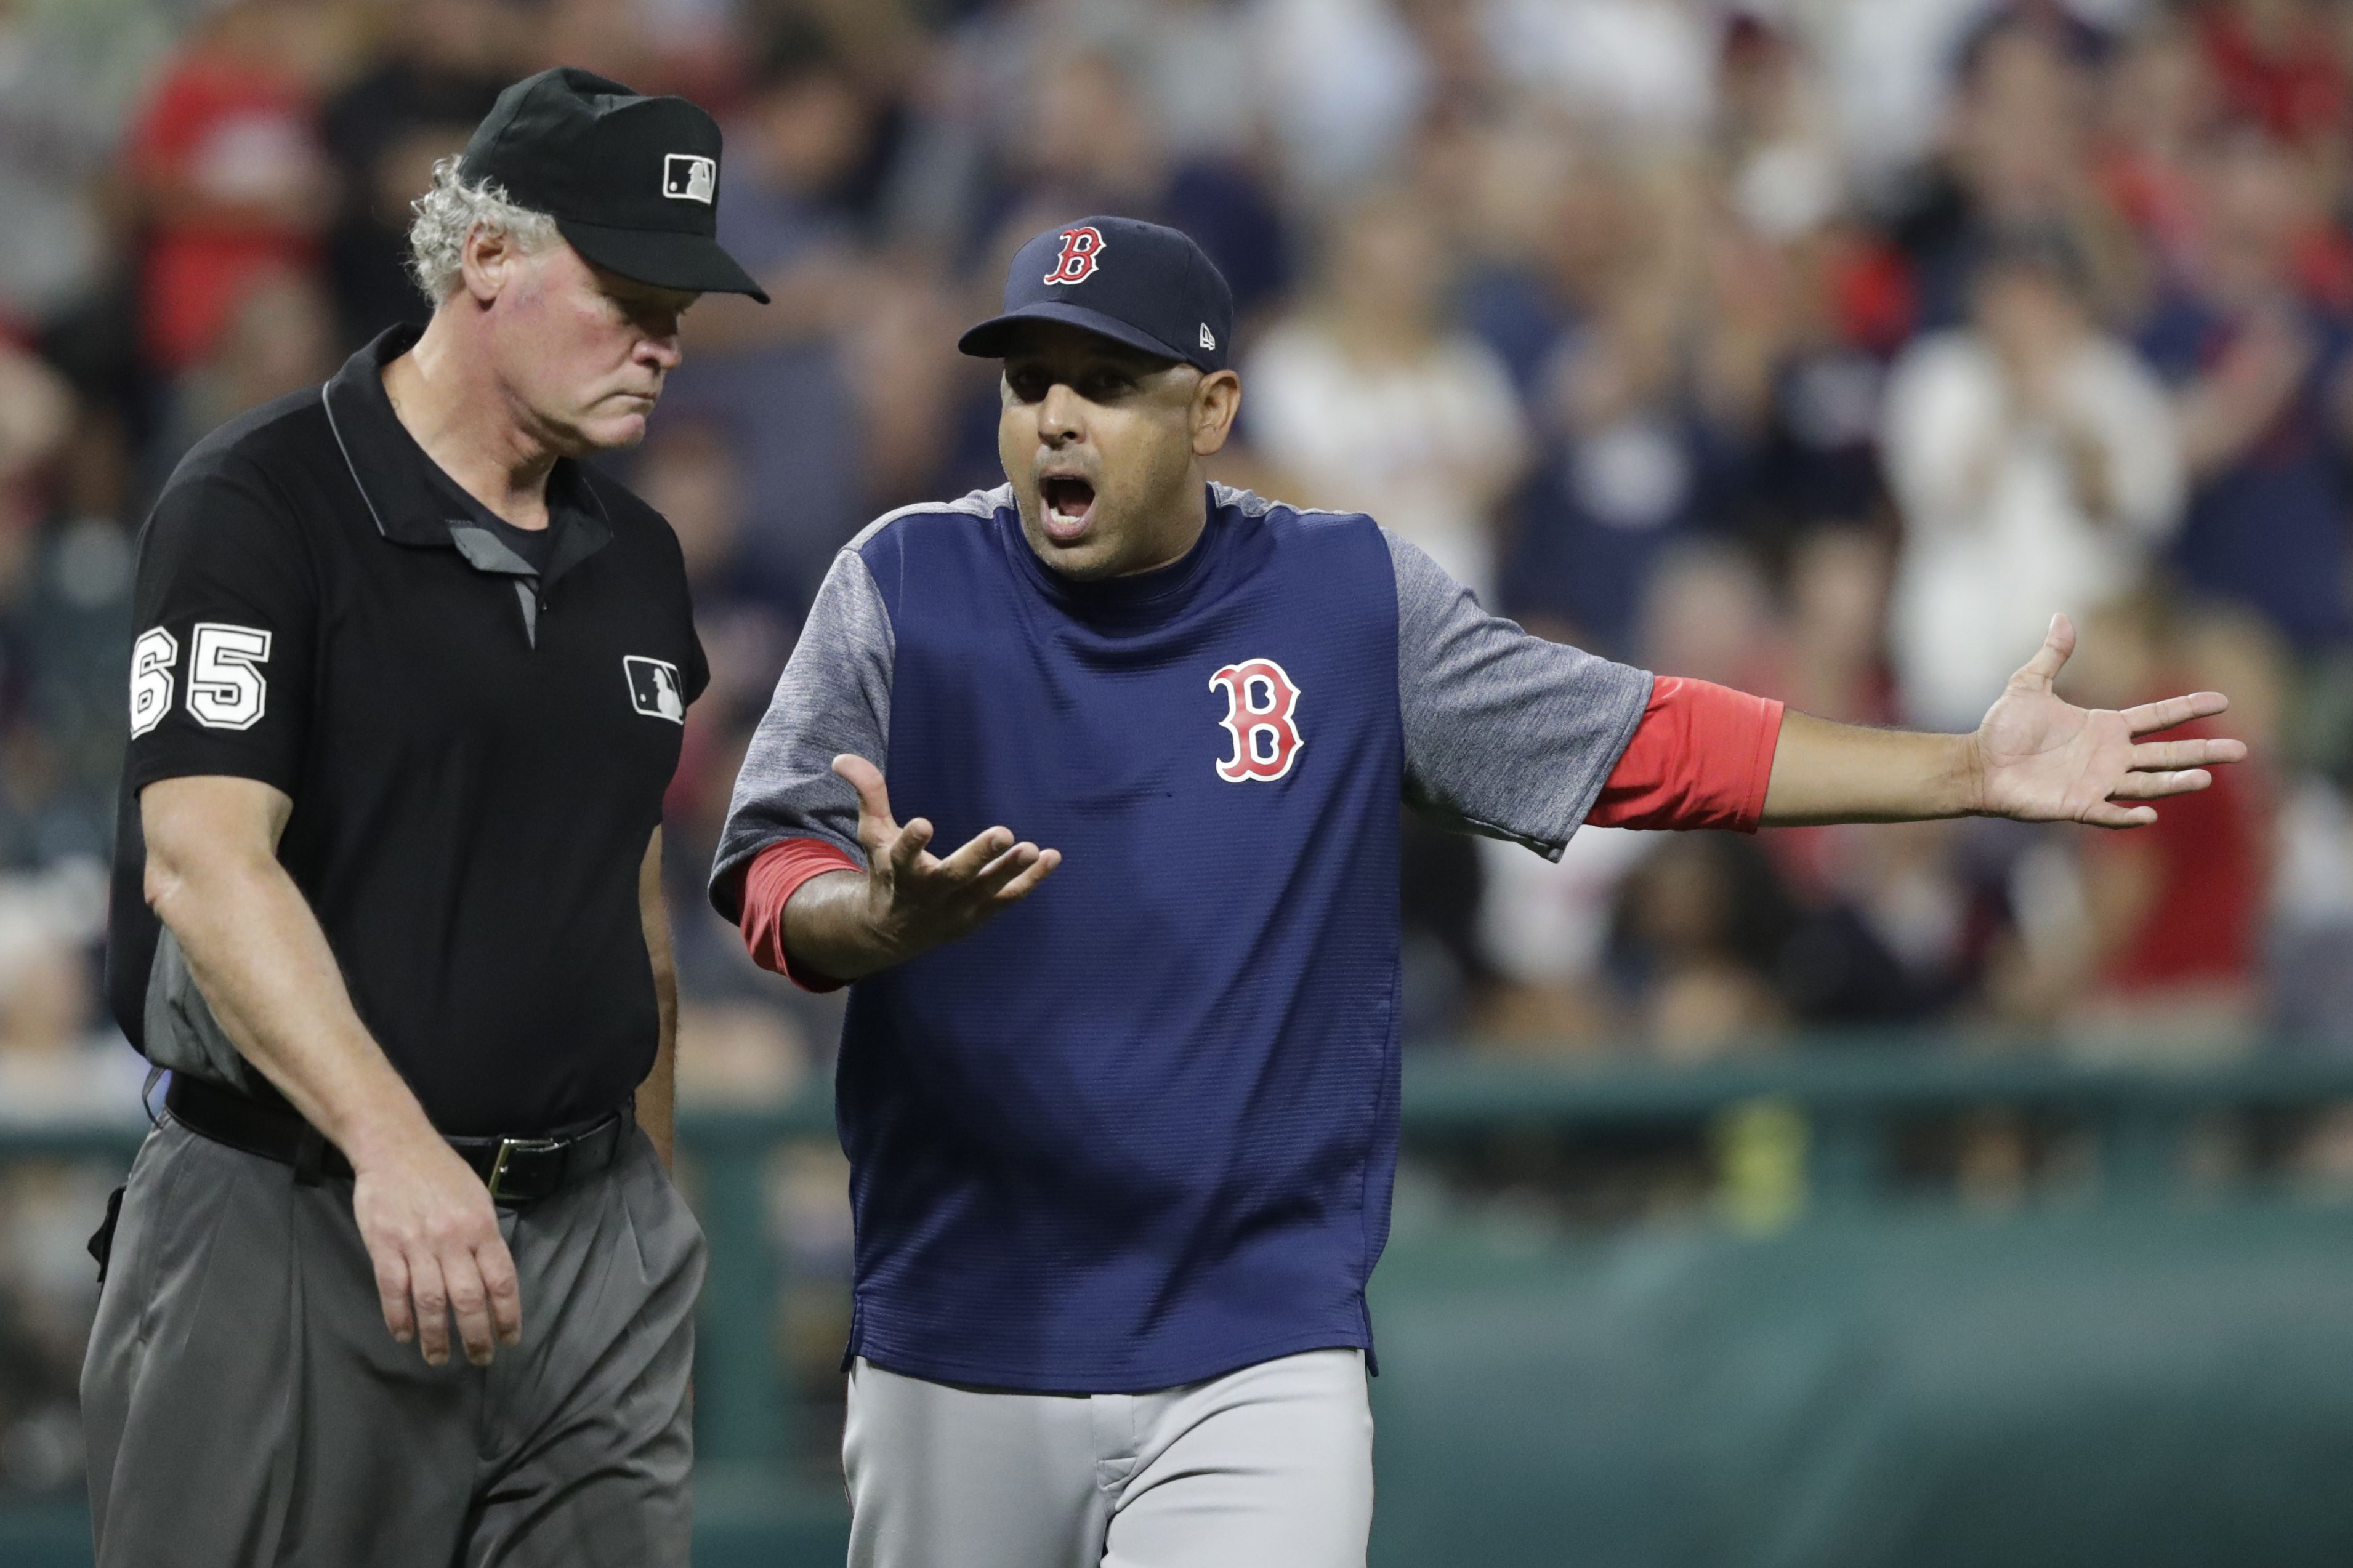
(1822, 348)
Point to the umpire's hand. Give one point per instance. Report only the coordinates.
(433, 1234)
(844, 925)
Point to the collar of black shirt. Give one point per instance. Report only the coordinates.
(414, 502)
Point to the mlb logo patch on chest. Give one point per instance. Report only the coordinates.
(1262, 717)
(655, 689)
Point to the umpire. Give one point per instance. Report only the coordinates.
(409, 688)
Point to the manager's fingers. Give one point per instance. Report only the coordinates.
(2049, 659)
(976, 855)
(993, 878)
(907, 849)
(873, 794)
(2108, 814)
(2187, 753)
(1014, 892)
(2157, 785)
(2174, 710)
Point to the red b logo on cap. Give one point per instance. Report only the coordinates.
(1081, 247)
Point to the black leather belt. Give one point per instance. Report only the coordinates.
(516, 1170)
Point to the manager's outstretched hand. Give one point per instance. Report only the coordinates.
(2036, 757)
(845, 925)
(2042, 758)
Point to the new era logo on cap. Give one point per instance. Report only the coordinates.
(1209, 337)
(689, 177)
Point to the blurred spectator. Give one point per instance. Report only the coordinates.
(1544, 927)
(2016, 154)
(1836, 665)
(1699, 925)
(279, 337)
(1343, 85)
(1644, 67)
(2159, 100)
(2310, 964)
(2254, 336)
(442, 65)
(1782, 160)
(2034, 461)
(1084, 142)
(1575, 216)
(1707, 614)
(2276, 64)
(58, 124)
(1629, 461)
(740, 1042)
(2168, 955)
(230, 173)
(774, 377)
(1369, 399)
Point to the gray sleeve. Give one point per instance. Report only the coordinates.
(1506, 734)
(833, 697)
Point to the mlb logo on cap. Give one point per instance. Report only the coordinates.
(689, 177)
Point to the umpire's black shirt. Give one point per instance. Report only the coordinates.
(476, 745)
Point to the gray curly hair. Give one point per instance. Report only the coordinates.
(449, 212)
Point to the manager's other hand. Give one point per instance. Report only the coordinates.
(848, 924)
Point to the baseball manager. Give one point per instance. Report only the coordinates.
(408, 688)
(1121, 1141)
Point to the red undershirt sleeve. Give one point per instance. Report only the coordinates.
(775, 874)
(1701, 757)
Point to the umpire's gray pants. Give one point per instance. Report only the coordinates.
(1270, 1466)
(245, 1405)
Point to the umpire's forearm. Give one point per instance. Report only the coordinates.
(1825, 772)
(263, 965)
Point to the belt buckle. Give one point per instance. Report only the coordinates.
(507, 1147)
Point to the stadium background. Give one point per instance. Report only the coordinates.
(1913, 1194)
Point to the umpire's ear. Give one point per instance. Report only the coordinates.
(1216, 400)
(488, 262)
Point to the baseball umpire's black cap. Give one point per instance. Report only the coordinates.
(632, 182)
(1136, 283)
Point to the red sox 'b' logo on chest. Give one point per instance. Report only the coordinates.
(1261, 707)
(1082, 249)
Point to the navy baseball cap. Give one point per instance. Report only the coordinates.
(632, 182)
(1133, 282)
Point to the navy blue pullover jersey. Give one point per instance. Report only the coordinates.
(1141, 1128)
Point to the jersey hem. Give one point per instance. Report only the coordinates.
(1141, 1380)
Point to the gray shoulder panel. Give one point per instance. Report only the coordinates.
(978, 503)
(1506, 734)
(834, 696)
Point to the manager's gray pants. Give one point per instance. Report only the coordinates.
(1270, 1466)
(245, 1406)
